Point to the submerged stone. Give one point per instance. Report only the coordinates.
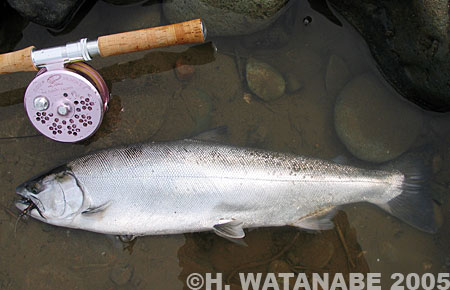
(292, 83)
(121, 273)
(373, 122)
(183, 70)
(279, 266)
(337, 75)
(264, 80)
(409, 41)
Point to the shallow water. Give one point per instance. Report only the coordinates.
(150, 103)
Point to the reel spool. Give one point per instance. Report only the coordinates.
(67, 104)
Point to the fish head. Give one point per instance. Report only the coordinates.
(53, 196)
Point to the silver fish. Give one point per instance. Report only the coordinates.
(193, 185)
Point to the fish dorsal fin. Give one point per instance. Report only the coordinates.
(218, 134)
(230, 229)
(319, 221)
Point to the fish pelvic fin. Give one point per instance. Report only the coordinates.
(231, 229)
(320, 220)
(414, 205)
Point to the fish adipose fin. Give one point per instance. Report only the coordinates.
(319, 221)
(414, 205)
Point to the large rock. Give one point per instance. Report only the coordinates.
(11, 26)
(225, 18)
(410, 42)
(123, 2)
(50, 13)
(373, 122)
(277, 34)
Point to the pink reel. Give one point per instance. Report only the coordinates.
(67, 104)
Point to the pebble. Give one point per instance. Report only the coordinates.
(264, 80)
(292, 83)
(279, 266)
(183, 70)
(373, 122)
(427, 266)
(121, 273)
(247, 98)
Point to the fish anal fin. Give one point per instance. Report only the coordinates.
(319, 221)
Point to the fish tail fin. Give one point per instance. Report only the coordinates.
(414, 205)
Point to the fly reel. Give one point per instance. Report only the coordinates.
(67, 104)
(67, 99)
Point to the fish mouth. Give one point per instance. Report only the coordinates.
(22, 203)
(26, 205)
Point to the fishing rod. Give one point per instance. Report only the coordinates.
(67, 99)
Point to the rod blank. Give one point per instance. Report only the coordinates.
(29, 59)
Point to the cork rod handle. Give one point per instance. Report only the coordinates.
(181, 33)
(16, 61)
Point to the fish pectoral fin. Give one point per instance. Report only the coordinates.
(320, 221)
(96, 209)
(229, 229)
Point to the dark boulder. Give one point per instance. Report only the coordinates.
(49, 13)
(11, 27)
(409, 40)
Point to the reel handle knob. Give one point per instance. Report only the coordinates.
(191, 31)
(16, 61)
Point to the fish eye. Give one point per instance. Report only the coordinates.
(34, 187)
